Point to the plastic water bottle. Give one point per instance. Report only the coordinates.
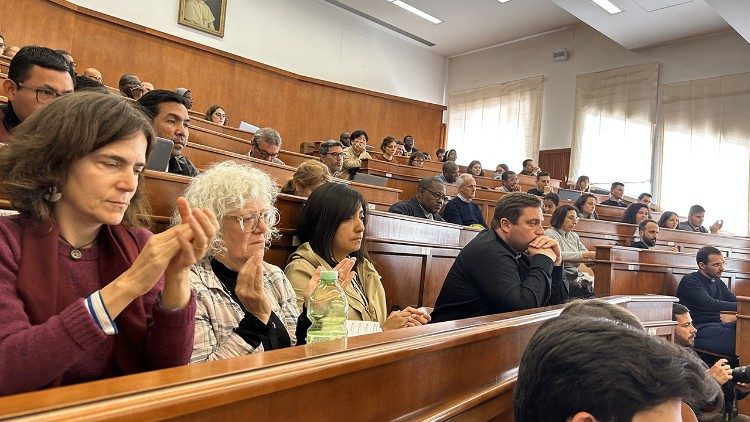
(327, 310)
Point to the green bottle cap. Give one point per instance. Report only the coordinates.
(330, 276)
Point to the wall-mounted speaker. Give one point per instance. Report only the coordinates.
(560, 55)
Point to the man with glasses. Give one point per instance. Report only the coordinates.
(332, 155)
(511, 267)
(266, 145)
(37, 75)
(426, 203)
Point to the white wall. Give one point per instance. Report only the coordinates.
(720, 54)
(310, 38)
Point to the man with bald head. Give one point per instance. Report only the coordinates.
(449, 174)
(461, 209)
(93, 74)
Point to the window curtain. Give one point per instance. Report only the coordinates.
(497, 124)
(613, 127)
(703, 149)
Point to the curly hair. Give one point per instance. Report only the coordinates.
(225, 187)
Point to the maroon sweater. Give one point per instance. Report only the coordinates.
(70, 344)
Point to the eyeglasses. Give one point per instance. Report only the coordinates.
(265, 154)
(250, 222)
(43, 95)
(335, 155)
(439, 196)
(221, 115)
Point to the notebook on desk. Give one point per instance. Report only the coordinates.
(159, 158)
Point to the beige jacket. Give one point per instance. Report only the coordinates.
(302, 265)
(351, 160)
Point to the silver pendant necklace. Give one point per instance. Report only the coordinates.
(75, 253)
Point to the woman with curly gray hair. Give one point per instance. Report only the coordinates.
(245, 305)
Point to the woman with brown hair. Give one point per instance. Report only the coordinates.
(309, 175)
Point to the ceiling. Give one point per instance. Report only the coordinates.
(470, 25)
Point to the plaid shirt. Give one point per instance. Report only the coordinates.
(217, 314)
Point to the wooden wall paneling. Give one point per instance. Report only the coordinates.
(556, 162)
(402, 270)
(50, 27)
(439, 263)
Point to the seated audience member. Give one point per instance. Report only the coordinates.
(354, 155)
(648, 231)
(266, 145)
(669, 220)
(635, 214)
(440, 154)
(706, 295)
(93, 74)
(426, 203)
(36, 76)
(244, 305)
(417, 159)
(645, 198)
(694, 223)
(12, 51)
(184, 92)
(584, 369)
(510, 182)
(170, 118)
(309, 175)
(529, 167)
(562, 223)
(216, 114)
(332, 231)
(427, 156)
(542, 184)
(409, 145)
(550, 202)
(475, 168)
(345, 139)
(582, 184)
(721, 371)
(400, 147)
(461, 209)
(147, 86)
(615, 196)
(82, 83)
(449, 174)
(388, 146)
(451, 155)
(70, 61)
(499, 170)
(586, 207)
(597, 308)
(2, 45)
(87, 293)
(131, 87)
(509, 268)
(332, 155)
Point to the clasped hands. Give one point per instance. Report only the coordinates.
(546, 246)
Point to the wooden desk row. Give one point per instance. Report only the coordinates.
(463, 370)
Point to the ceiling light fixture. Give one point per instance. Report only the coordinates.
(503, 1)
(412, 9)
(608, 6)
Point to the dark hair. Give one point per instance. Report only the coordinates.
(597, 308)
(449, 165)
(471, 164)
(511, 207)
(447, 153)
(84, 83)
(526, 161)
(582, 200)
(408, 136)
(325, 146)
(387, 141)
(558, 217)
(326, 208)
(631, 211)
(701, 257)
(414, 156)
(678, 309)
(43, 148)
(541, 174)
(150, 101)
(552, 196)
(211, 110)
(578, 182)
(696, 209)
(428, 182)
(439, 151)
(665, 217)
(503, 166)
(35, 55)
(357, 133)
(616, 184)
(606, 368)
(642, 226)
(506, 175)
(643, 195)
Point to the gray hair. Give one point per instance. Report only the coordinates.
(449, 166)
(463, 178)
(267, 135)
(225, 187)
(325, 146)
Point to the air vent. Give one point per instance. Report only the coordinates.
(381, 23)
(654, 5)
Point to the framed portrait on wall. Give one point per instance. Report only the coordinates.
(205, 15)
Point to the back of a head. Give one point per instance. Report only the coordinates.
(309, 174)
(34, 55)
(597, 308)
(511, 206)
(606, 368)
(150, 101)
(268, 135)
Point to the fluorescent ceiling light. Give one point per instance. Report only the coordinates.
(503, 1)
(412, 9)
(608, 6)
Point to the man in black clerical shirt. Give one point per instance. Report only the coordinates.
(510, 267)
(168, 113)
(615, 195)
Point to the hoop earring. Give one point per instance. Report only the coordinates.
(52, 195)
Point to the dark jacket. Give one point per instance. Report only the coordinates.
(611, 203)
(8, 121)
(458, 211)
(640, 245)
(705, 297)
(412, 208)
(181, 165)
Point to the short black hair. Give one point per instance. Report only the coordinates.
(582, 200)
(503, 166)
(644, 223)
(415, 155)
(449, 165)
(511, 207)
(643, 195)
(678, 309)
(552, 196)
(439, 151)
(597, 308)
(506, 175)
(428, 183)
(606, 368)
(150, 101)
(696, 209)
(387, 141)
(526, 161)
(35, 55)
(357, 133)
(616, 184)
(631, 211)
(701, 257)
(558, 217)
(327, 145)
(666, 216)
(541, 174)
